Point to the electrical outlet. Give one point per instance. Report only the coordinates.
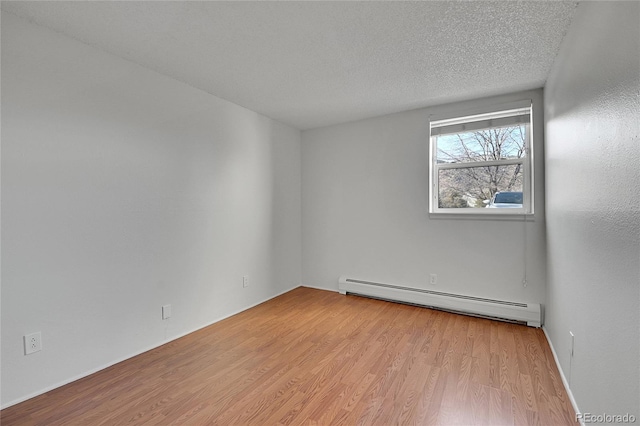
(245, 281)
(433, 279)
(166, 312)
(32, 343)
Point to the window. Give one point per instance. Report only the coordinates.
(482, 163)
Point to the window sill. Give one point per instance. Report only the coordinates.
(507, 216)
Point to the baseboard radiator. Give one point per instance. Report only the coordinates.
(525, 313)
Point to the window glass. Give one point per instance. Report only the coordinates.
(481, 164)
(482, 145)
(475, 185)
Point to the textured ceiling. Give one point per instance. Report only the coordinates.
(312, 64)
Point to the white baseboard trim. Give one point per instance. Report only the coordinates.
(565, 382)
(320, 288)
(102, 367)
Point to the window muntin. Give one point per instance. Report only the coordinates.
(473, 158)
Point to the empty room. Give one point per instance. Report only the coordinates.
(313, 213)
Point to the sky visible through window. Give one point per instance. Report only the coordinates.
(482, 145)
(475, 184)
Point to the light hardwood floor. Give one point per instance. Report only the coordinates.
(316, 357)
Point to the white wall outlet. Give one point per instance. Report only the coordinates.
(433, 279)
(32, 343)
(166, 312)
(245, 281)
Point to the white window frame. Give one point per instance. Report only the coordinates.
(476, 119)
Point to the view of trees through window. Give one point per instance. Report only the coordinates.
(465, 184)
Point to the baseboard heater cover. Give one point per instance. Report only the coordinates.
(529, 313)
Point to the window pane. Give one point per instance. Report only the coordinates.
(474, 187)
(498, 143)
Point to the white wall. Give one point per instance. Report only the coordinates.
(365, 213)
(124, 190)
(593, 215)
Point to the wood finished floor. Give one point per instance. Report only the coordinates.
(312, 357)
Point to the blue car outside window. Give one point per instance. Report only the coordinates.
(508, 198)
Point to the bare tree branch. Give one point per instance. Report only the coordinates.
(481, 182)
